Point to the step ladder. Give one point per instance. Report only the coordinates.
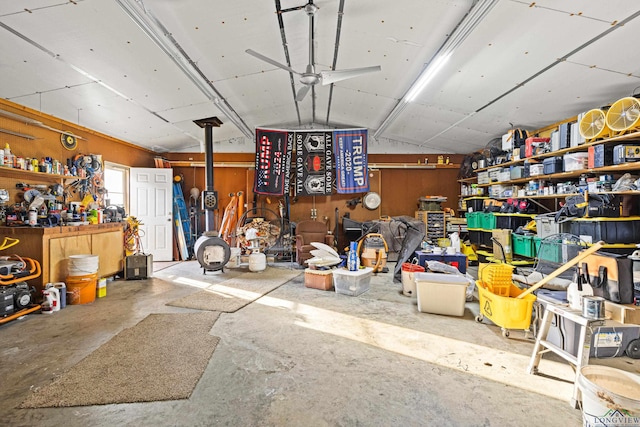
(182, 222)
(542, 345)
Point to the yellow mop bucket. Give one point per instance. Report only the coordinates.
(506, 311)
(498, 299)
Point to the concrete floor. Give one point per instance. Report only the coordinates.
(300, 357)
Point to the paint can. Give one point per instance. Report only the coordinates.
(593, 307)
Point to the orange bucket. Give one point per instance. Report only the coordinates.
(81, 289)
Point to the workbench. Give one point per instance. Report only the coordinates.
(52, 246)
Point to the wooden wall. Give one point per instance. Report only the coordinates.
(398, 180)
(400, 183)
(47, 143)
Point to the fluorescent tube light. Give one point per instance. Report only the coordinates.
(426, 76)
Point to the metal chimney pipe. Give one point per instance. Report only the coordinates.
(208, 125)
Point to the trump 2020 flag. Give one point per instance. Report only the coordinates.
(273, 161)
(350, 151)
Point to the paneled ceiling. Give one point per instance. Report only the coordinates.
(143, 70)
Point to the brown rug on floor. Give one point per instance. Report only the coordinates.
(160, 358)
(233, 294)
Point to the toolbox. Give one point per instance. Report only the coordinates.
(533, 145)
(552, 165)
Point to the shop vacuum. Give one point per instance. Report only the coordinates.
(211, 251)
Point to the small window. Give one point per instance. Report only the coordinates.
(116, 181)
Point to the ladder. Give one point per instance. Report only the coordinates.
(182, 222)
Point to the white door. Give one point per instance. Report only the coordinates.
(151, 199)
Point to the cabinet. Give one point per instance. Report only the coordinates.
(52, 246)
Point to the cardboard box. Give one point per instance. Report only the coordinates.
(503, 237)
(441, 293)
(318, 279)
(101, 288)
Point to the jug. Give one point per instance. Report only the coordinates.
(576, 290)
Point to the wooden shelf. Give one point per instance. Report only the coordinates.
(624, 167)
(583, 147)
(35, 176)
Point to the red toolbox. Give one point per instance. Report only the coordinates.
(532, 144)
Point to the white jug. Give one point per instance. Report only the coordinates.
(574, 295)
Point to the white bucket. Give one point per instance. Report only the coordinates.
(82, 265)
(610, 397)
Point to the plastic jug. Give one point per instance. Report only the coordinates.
(455, 241)
(576, 291)
(51, 300)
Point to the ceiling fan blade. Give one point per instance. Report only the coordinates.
(302, 93)
(329, 77)
(271, 61)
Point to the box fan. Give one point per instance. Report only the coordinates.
(594, 125)
(624, 115)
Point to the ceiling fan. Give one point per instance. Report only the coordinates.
(310, 78)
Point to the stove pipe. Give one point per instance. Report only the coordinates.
(208, 125)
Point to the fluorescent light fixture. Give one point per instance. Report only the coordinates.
(460, 33)
(163, 39)
(426, 76)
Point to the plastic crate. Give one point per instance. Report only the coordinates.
(536, 245)
(523, 245)
(441, 293)
(475, 237)
(475, 204)
(546, 225)
(512, 221)
(609, 230)
(473, 219)
(488, 221)
(352, 283)
(486, 238)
